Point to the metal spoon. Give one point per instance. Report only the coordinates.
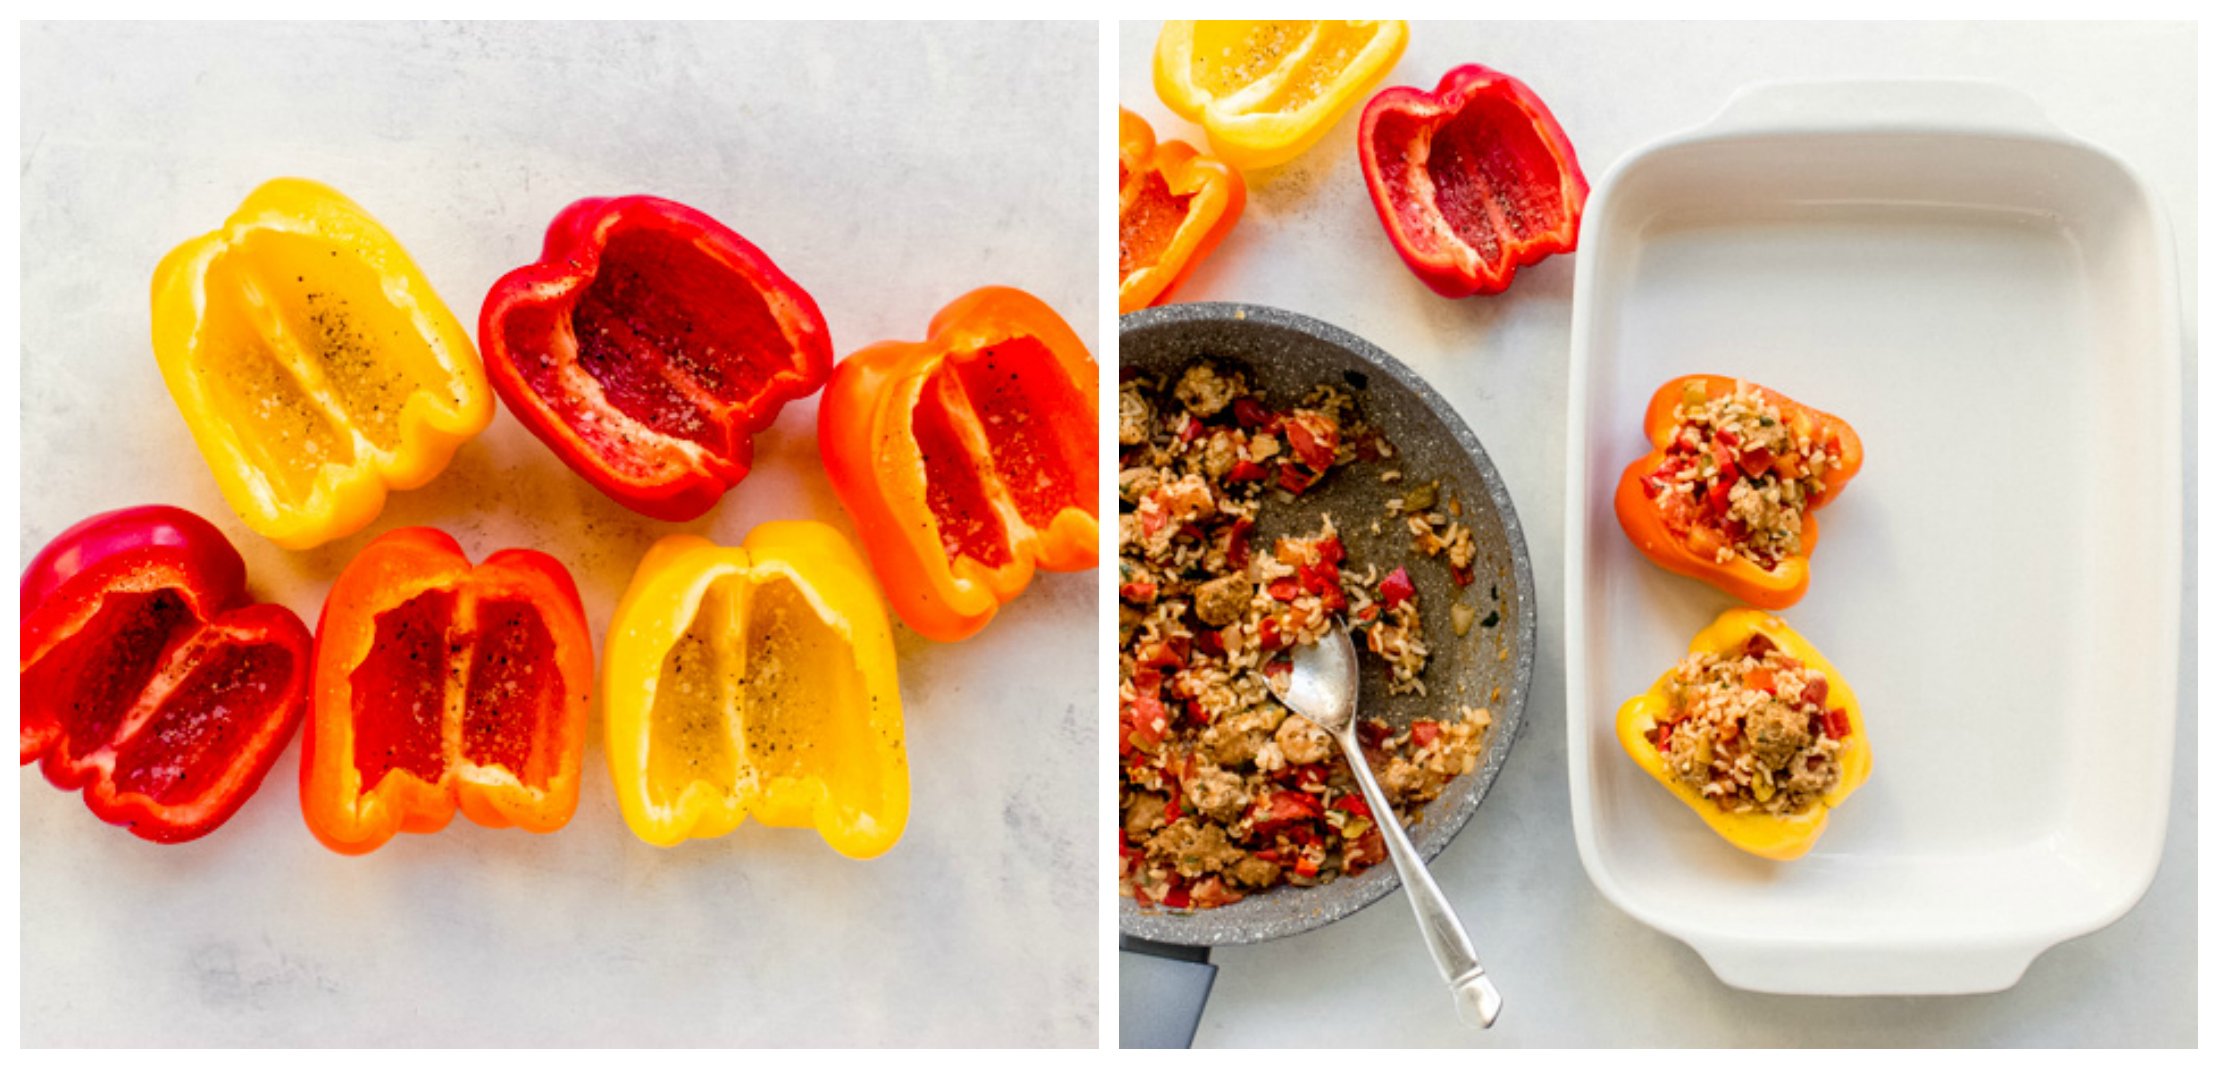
(1322, 690)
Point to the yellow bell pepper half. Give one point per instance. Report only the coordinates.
(756, 680)
(313, 363)
(1265, 91)
(1775, 837)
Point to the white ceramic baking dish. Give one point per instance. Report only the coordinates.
(1992, 304)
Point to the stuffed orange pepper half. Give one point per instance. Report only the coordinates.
(1730, 492)
(313, 363)
(1173, 206)
(756, 680)
(439, 686)
(968, 459)
(1755, 731)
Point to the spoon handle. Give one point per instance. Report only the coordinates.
(1477, 1002)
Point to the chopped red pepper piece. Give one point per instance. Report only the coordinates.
(1472, 180)
(1245, 471)
(148, 680)
(1285, 589)
(1396, 587)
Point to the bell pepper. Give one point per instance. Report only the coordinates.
(1472, 180)
(441, 685)
(1265, 91)
(647, 346)
(313, 363)
(1684, 525)
(1173, 206)
(1780, 838)
(968, 459)
(756, 680)
(148, 680)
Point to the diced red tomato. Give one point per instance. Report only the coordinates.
(1266, 634)
(1245, 471)
(1728, 438)
(1158, 655)
(1310, 778)
(1191, 430)
(1836, 723)
(1292, 479)
(1286, 588)
(1236, 542)
(1251, 413)
(1762, 679)
(1423, 732)
(1757, 645)
(1285, 806)
(1211, 642)
(1330, 551)
(1816, 689)
(1396, 587)
(1756, 462)
(1178, 897)
(1719, 500)
(1314, 440)
(1141, 592)
(1353, 805)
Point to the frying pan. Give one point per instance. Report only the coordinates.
(1164, 970)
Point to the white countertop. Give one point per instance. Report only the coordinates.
(888, 169)
(1573, 969)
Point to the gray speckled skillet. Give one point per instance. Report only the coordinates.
(1286, 354)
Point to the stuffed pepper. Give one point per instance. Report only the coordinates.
(1173, 206)
(313, 363)
(148, 680)
(441, 685)
(1472, 180)
(647, 347)
(1731, 491)
(968, 459)
(1755, 731)
(1265, 91)
(757, 680)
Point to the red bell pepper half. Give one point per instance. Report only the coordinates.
(1472, 180)
(648, 346)
(148, 680)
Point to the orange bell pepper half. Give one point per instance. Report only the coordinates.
(1682, 504)
(441, 685)
(1173, 206)
(968, 459)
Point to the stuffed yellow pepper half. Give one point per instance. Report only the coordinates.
(1755, 731)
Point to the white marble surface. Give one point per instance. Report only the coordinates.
(888, 169)
(1573, 969)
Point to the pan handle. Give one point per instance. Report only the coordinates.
(1161, 989)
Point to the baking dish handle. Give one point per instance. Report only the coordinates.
(1894, 105)
(1871, 968)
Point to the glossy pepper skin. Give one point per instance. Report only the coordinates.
(1671, 550)
(313, 363)
(441, 686)
(148, 680)
(1265, 91)
(968, 459)
(647, 347)
(1777, 838)
(757, 679)
(1472, 180)
(1173, 206)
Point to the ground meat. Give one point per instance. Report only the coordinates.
(1134, 413)
(1255, 872)
(1217, 794)
(1194, 849)
(1220, 602)
(1205, 391)
(1143, 812)
(1777, 733)
(1302, 742)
